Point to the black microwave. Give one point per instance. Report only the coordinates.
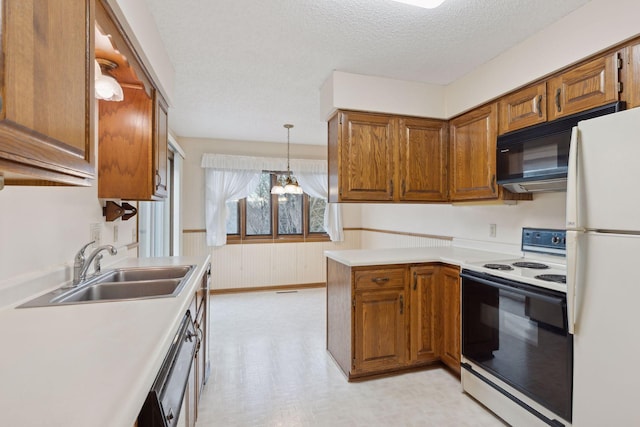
(536, 158)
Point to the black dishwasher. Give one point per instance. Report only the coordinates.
(163, 403)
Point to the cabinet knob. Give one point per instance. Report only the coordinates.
(558, 93)
(380, 280)
(170, 415)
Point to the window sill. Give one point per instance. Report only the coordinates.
(235, 240)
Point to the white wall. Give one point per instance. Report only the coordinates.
(469, 224)
(369, 93)
(42, 228)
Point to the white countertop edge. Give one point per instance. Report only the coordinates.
(450, 255)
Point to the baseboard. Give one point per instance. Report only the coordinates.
(268, 288)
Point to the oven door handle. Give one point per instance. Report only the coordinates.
(514, 289)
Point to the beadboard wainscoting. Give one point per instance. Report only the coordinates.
(384, 239)
(259, 265)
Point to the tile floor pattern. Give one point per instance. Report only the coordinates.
(270, 368)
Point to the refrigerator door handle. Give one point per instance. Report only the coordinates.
(572, 282)
(572, 181)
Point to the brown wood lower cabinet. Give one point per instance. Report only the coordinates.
(450, 286)
(380, 331)
(426, 313)
(382, 319)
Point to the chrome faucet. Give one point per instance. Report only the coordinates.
(81, 264)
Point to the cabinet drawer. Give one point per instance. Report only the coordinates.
(379, 278)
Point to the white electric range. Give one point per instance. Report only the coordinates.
(543, 265)
(517, 352)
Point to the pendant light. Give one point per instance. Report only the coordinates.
(290, 185)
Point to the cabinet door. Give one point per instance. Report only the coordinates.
(581, 88)
(366, 157)
(450, 279)
(423, 159)
(46, 93)
(473, 154)
(160, 146)
(523, 108)
(633, 77)
(425, 316)
(380, 330)
(125, 154)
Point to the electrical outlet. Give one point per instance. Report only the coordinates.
(115, 233)
(95, 233)
(492, 230)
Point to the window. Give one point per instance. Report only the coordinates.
(263, 216)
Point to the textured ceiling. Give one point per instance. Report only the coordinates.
(244, 68)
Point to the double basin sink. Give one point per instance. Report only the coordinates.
(120, 284)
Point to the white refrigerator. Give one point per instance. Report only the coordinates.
(603, 269)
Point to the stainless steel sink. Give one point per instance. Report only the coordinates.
(120, 284)
(134, 274)
(122, 290)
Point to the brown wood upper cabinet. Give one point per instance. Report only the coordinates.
(473, 154)
(586, 86)
(132, 144)
(632, 90)
(47, 102)
(384, 158)
(423, 160)
(523, 108)
(472, 139)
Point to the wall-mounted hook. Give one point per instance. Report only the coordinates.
(114, 211)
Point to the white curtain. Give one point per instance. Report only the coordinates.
(222, 186)
(235, 177)
(317, 185)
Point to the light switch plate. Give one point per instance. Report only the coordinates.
(95, 233)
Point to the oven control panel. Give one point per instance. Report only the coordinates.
(544, 240)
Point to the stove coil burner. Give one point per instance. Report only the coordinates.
(498, 266)
(534, 265)
(558, 278)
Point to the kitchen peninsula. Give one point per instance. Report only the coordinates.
(389, 310)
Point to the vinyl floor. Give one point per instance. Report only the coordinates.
(270, 367)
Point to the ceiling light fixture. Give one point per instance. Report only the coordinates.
(427, 4)
(106, 87)
(288, 184)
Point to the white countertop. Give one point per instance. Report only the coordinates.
(88, 364)
(449, 255)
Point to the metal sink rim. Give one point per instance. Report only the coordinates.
(65, 296)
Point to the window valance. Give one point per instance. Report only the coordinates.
(232, 162)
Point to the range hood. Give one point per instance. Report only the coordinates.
(545, 185)
(535, 159)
